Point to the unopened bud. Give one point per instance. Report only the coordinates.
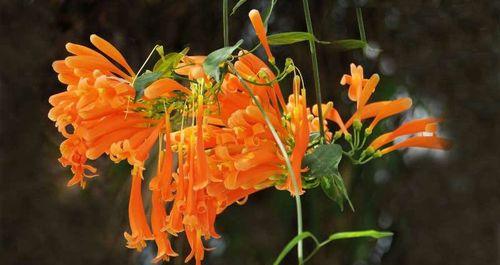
(337, 135)
(368, 131)
(357, 124)
(262, 74)
(369, 150)
(348, 137)
(290, 68)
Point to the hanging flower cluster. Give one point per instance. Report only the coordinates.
(220, 125)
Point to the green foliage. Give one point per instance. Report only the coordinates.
(336, 236)
(356, 234)
(240, 3)
(144, 80)
(216, 59)
(323, 165)
(292, 37)
(333, 186)
(348, 44)
(168, 62)
(163, 68)
(286, 38)
(292, 244)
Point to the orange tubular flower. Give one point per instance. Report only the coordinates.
(138, 223)
(192, 67)
(412, 127)
(97, 90)
(392, 108)
(163, 88)
(432, 142)
(355, 81)
(330, 113)
(360, 89)
(369, 111)
(261, 32)
(300, 128)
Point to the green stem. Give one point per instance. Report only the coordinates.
(288, 163)
(144, 64)
(225, 22)
(314, 59)
(361, 26)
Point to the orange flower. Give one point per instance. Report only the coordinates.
(163, 88)
(192, 67)
(225, 154)
(161, 188)
(392, 108)
(261, 32)
(360, 89)
(140, 230)
(330, 113)
(412, 127)
(432, 142)
(300, 127)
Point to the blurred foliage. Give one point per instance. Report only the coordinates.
(443, 208)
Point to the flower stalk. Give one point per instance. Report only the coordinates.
(298, 202)
(225, 22)
(314, 60)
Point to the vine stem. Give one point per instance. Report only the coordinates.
(225, 22)
(314, 59)
(361, 26)
(288, 163)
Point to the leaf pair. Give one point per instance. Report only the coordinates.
(333, 237)
(287, 38)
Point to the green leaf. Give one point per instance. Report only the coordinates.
(292, 244)
(213, 62)
(356, 234)
(289, 37)
(160, 51)
(324, 160)
(168, 62)
(333, 186)
(348, 44)
(286, 38)
(241, 2)
(144, 80)
(323, 164)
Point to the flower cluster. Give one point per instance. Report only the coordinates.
(218, 141)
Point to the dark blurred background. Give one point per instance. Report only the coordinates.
(444, 207)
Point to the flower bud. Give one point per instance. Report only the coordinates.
(337, 135)
(262, 74)
(357, 124)
(369, 151)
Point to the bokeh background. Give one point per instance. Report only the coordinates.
(444, 208)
